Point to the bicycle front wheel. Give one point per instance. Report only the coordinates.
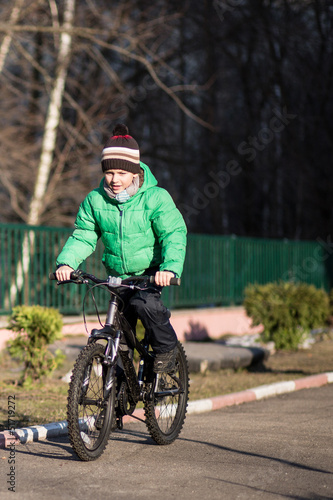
(166, 412)
(89, 415)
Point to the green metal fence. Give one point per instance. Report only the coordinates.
(217, 268)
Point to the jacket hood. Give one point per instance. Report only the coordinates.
(149, 180)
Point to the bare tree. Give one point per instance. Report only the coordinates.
(79, 73)
(200, 87)
(53, 115)
(61, 78)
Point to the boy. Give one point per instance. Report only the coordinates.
(143, 233)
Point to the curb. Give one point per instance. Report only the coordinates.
(11, 438)
(230, 357)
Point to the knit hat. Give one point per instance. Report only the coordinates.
(121, 151)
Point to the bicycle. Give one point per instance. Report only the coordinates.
(105, 385)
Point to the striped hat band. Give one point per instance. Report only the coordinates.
(118, 153)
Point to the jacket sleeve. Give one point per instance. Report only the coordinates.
(83, 241)
(170, 229)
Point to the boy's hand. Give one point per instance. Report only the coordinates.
(162, 278)
(63, 273)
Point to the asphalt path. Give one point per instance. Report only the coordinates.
(278, 448)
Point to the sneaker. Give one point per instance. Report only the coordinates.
(165, 362)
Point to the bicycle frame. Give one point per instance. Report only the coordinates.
(117, 346)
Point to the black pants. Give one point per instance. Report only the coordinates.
(155, 317)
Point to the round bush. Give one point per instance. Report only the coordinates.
(287, 311)
(36, 328)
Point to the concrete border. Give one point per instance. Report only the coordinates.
(11, 438)
(190, 324)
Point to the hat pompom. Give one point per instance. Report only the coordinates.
(120, 129)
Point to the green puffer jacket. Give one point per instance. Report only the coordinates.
(145, 231)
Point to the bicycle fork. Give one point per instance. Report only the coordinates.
(109, 362)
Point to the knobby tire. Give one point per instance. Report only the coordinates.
(88, 430)
(165, 415)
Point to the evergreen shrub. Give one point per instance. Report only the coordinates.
(37, 327)
(330, 297)
(288, 311)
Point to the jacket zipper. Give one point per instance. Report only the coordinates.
(121, 212)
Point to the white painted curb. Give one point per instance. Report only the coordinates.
(42, 432)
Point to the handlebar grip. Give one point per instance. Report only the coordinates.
(173, 281)
(74, 276)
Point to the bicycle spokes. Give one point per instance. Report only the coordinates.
(89, 412)
(166, 411)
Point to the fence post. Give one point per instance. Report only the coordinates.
(232, 269)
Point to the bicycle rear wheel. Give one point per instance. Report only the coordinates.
(166, 412)
(89, 415)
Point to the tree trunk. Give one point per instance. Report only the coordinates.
(4, 48)
(53, 116)
(48, 146)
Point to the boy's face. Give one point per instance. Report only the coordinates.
(118, 180)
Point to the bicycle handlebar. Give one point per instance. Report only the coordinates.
(113, 281)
